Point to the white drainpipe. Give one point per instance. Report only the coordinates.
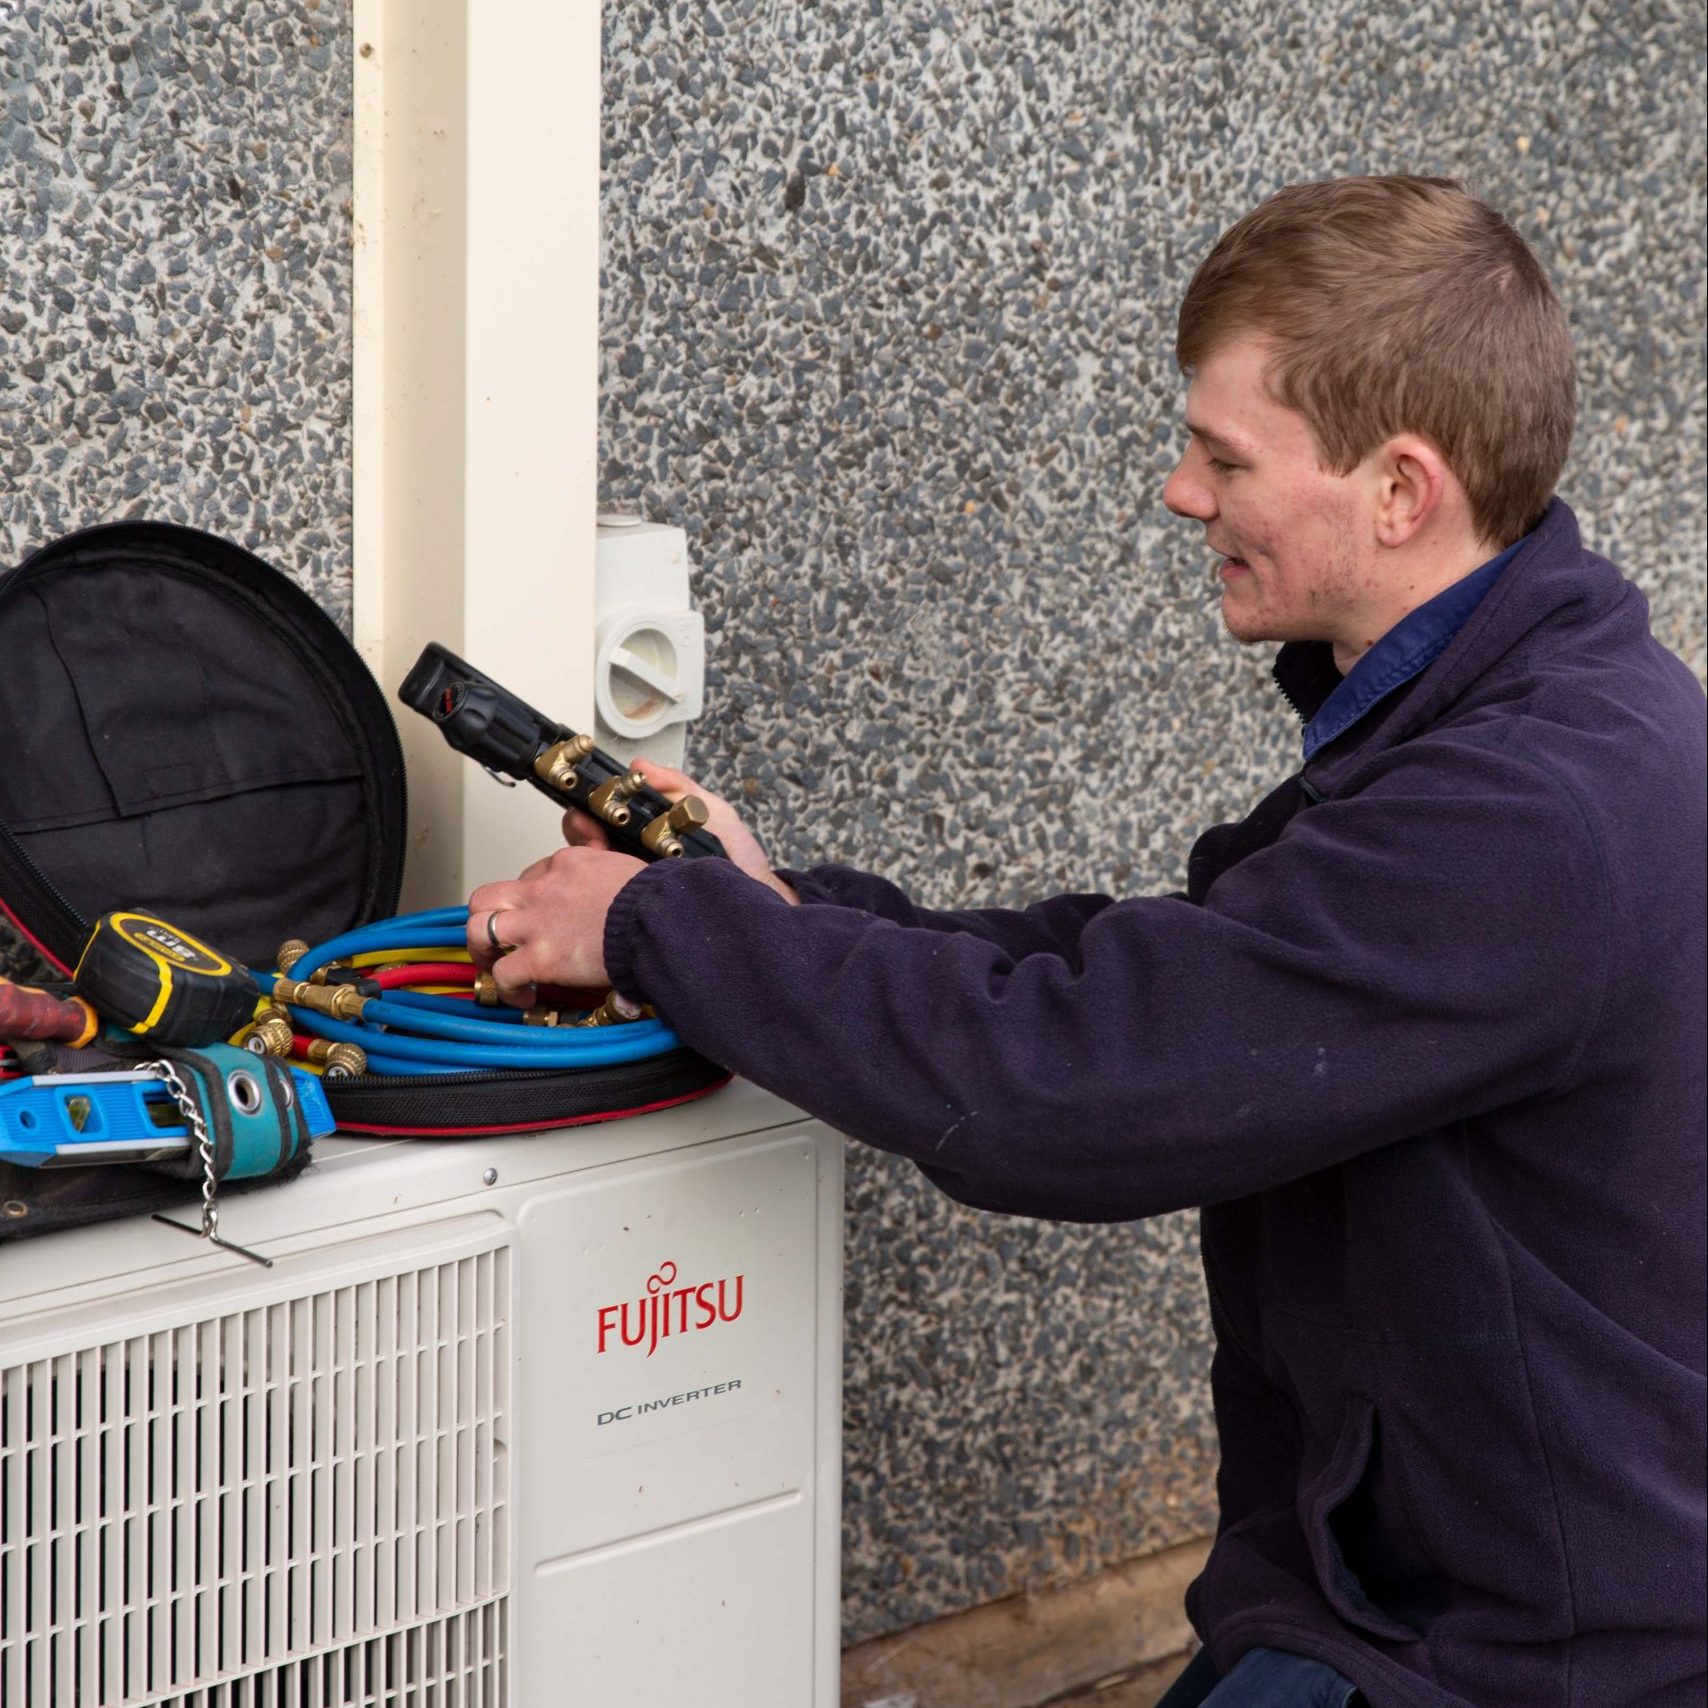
(476, 387)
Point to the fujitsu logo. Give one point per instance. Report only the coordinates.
(665, 1309)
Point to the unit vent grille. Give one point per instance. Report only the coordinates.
(453, 1663)
(304, 1503)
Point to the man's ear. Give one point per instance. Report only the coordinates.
(1412, 484)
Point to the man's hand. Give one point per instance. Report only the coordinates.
(582, 830)
(547, 927)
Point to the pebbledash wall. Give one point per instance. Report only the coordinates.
(888, 300)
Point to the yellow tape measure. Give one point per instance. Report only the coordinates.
(141, 973)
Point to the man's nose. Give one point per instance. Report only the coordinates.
(1185, 495)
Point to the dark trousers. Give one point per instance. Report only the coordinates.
(1263, 1678)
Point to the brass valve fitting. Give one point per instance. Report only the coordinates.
(486, 990)
(338, 1001)
(338, 1061)
(664, 835)
(609, 800)
(270, 1035)
(556, 764)
(616, 1010)
(293, 951)
(290, 953)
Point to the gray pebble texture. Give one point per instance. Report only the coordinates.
(887, 317)
(889, 291)
(175, 274)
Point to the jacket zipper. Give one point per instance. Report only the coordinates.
(1294, 704)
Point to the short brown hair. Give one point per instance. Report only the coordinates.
(1401, 304)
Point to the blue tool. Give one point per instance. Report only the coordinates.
(69, 1120)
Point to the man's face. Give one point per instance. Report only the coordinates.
(1295, 541)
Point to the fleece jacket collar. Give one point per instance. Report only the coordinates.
(1408, 648)
(1538, 585)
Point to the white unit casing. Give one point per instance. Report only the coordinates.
(649, 667)
(535, 1421)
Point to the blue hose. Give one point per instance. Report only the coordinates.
(406, 1033)
(604, 1045)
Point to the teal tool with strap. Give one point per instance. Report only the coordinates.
(248, 1115)
(210, 1115)
(259, 1114)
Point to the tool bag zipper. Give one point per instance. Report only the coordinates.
(60, 927)
(449, 1105)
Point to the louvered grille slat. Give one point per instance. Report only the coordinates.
(304, 1503)
(458, 1662)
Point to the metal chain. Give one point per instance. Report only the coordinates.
(191, 1111)
(204, 1144)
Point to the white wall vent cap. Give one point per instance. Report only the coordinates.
(649, 670)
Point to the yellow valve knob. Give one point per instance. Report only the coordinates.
(292, 951)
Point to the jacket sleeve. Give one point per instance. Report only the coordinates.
(1050, 927)
(1426, 950)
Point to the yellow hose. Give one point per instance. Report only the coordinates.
(402, 957)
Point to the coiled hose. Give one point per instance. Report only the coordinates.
(417, 1026)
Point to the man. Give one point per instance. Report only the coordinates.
(1424, 1035)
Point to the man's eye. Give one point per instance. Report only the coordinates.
(1219, 466)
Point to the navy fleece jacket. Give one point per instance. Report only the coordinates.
(1426, 1036)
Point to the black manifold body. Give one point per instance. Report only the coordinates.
(506, 735)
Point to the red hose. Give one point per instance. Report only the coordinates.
(425, 972)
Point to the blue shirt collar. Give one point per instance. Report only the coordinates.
(1413, 643)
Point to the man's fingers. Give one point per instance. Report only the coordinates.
(547, 926)
(486, 906)
(583, 830)
(668, 782)
(489, 896)
(488, 939)
(514, 976)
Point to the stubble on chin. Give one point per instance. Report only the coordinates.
(1245, 613)
(1246, 627)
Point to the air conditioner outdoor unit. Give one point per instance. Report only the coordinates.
(523, 1422)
